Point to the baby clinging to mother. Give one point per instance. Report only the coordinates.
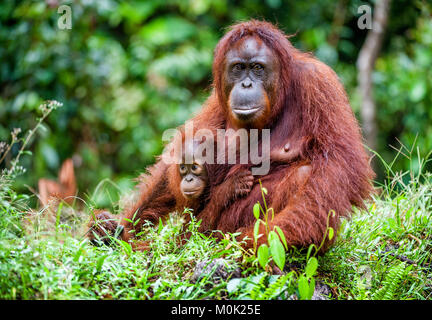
(317, 160)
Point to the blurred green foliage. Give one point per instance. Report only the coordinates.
(128, 70)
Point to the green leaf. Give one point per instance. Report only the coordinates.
(392, 223)
(281, 236)
(278, 252)
(136, 222)
(311, 288)
(263, 255)
(256, 210)
(272, 236)
(408, 214)
(264, 189)
(127, 248)
(100, 262)
(256, 229)
(27, 152)
(79, 252)
(303, 288)
(311, 267)
(160, 227)
(331, 233)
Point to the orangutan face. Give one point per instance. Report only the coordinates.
(250, 78)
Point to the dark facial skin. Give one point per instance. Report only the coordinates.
(194, 180)
(250, 76)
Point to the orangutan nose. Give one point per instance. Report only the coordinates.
(246, 84)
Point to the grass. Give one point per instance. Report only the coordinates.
(383, 252)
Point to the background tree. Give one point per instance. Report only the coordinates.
(365, 64)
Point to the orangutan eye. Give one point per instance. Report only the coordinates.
(258, 67)
(238, 67)
(196, 169)
(182, 169)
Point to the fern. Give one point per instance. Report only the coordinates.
(275, 286)
(390, 283)
(255, 292)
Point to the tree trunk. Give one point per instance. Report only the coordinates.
(365, 64)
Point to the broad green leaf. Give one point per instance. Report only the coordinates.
(272, 236)
(282, 236)
(311, 267)
(311, 288)
(303, 288)
(331, 233)
(256, 229)
(263, 255)
(256, 210)
(278, 252)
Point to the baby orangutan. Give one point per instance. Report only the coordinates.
(190, 186)
(194, 180)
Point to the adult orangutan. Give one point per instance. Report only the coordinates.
(262, 82)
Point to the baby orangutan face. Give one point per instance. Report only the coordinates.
(194, 179)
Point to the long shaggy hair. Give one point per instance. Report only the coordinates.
(310, 108)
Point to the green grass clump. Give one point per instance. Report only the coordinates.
(385, 252)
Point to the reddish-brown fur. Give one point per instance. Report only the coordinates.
(217, 196)
(310, 110)
(65, 189)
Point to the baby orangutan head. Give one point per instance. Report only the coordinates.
(194, 178)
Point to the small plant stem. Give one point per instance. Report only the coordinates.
(265, 213)
(7, 150)
(27, 139)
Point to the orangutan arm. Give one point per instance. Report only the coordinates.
(235, 186)
(319, 190)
